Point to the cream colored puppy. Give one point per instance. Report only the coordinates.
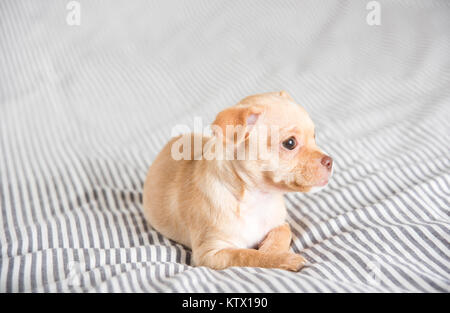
(230, 210)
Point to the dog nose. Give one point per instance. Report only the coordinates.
(327, 162)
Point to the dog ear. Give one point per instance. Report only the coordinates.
(284, 94)
(235, 123)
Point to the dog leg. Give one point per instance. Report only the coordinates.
(277, 240)
(220, 259)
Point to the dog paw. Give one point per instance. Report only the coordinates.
(291, 262)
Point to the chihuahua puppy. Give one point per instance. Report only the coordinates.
(230, 209)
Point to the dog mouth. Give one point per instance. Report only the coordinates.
(299, 187)
(300, 183)
(322, 183)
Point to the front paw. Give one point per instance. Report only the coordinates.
(291, 261)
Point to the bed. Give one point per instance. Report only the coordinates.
(91, 90)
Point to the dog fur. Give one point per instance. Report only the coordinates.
(232, 212)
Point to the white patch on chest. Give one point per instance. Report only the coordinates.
(259, 213)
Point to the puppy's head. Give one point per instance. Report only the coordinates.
(287, 157)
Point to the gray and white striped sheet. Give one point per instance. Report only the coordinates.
(85, 109)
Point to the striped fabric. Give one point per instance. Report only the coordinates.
(84, 109)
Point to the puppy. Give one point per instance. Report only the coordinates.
(229, 209)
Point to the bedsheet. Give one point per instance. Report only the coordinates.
(91, 90)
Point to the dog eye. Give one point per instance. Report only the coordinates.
(290, 143)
